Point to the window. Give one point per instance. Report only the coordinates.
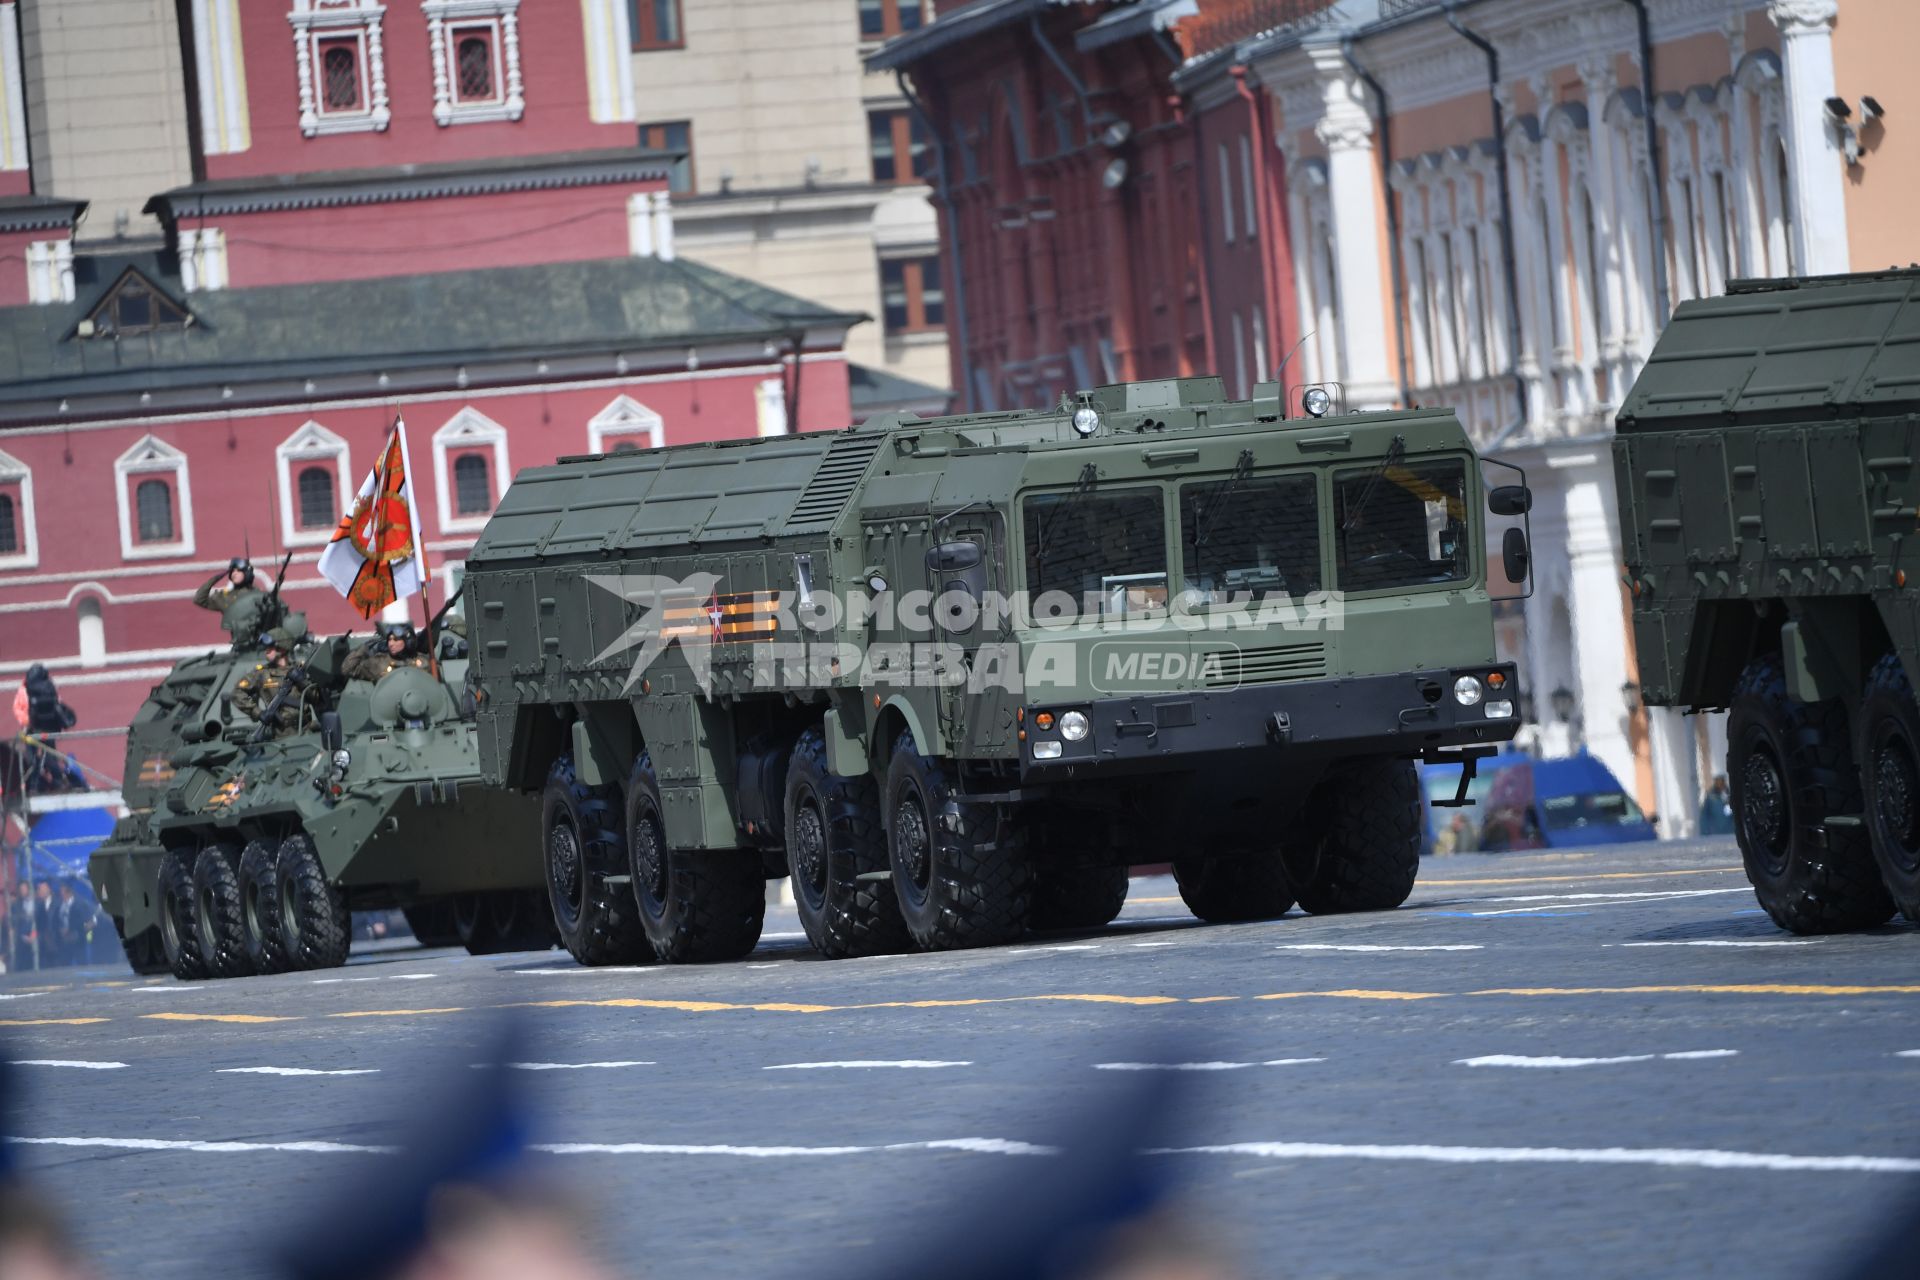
(134, 305)
(901, 150)
(1226, 194)
(153, 501)
(342, 66)
(882, 18)
(1249, 538)
(473, 59)
(9, 526)
(476, 60)
(1401, 525)
(472, 489)
(92, 628)
(339, 74)
(1105, 549)
(675, 136)
(313, 469)
(18, 546)
(656, 24)
(469, 461)
(1246, 187)
(318, 510)
(623, 425)
(910, 294)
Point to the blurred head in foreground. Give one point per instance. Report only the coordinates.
(34, 1242)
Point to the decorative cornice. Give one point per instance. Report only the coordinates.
(39, 213)
(1802, 17)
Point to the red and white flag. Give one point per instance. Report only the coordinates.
(375, 557)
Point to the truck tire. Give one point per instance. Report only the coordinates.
(314, 925)
(696, 905)
(1233, 890)
(179, 940)
(1076, 897)
(433, 923)
(834, 835)
(217, 917)
(259, 906)
(1789, 767)
(1889, 755)
(961, 877)
(581, 826)
(143, 950)
(502, 920)
(1365, 851)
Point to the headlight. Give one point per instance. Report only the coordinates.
(1086, 420)
(1499, 709)
(341, 759)
(1045, 749)
(1074, 726)
(1466, 691)
(1317, 401)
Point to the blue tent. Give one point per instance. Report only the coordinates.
(62, 842)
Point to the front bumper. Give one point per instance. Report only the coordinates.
(1408, 714)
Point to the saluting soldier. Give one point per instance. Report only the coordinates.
(383, 656)
(255, 692)
(231, 594)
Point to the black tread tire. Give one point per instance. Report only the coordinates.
(581, 846)
(502, 920)
(179, 940)
(143, 950)
(432, 923)
(833, 836)
(1790, 766)
(1232, 890)
(314, 925)
(696, 905)
(1364, 853)
(217, 918)
(1889, 754)
(979, 882)
(259, 906)
(1077, 897)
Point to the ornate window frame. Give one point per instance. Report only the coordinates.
(314, 21)
(446, 20)
(149, 456)
(625, 417)
(18, 476)
(466, 431)
(311, 443)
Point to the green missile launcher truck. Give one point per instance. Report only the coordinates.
(1768, 461)
(242, 853)
(956, 675)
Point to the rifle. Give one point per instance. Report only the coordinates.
(296, 678)
(273, 596)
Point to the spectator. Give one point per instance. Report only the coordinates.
(1716, 808)
(24, 935)
(43, 924)
(38, 708)
(70, 926)
(1457, 837)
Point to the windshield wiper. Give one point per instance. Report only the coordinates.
(1203, 518)
(1395, 451)
(1044, 538)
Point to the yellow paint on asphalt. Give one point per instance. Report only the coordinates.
(220, 1017)
(1357, 994)
(50, 1022)
(1726, 989)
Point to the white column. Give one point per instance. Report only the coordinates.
(640, 225)
(1813, 156)
(663, 225)
(1300, 236)
(1676, 772)
(1598, 613)
(1346, 128)
(770, 407)
(1609, 251)
(222, 78)
(13, 107)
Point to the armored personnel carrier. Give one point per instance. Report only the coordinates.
(245, 854)
(956, 675)
(1768, 462)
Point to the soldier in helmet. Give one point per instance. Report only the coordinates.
(392, 649)
(231, 594)
(256, 692)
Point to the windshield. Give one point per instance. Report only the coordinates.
(1106, 549)
(1402, 526)
(1250, 537)
(1592, 809)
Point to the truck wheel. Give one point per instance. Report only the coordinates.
(179, 940)
(1889, 754)
(833, 837)
(597, 921)
(143, 950)
(1231, 890)
(259, 863)
(1077, 897)
(314, 925)
(433, 923)
(1790, 766)
(1367, 851)
(960, 880)
(696, 905)
(217, 917)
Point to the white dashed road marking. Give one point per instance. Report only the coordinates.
(1071, 946)
(378, 977)
(571, 1066)
(1554, 901)
(1520, 1060)
(1370, 946)
(167, 987)
(295, 1071)
(221, 1148)
(21, 995)
(1726, 942)
(983, 1146)
(1200, 1066)
(1668, 1157)
(861, 1065)
(65, 1062)
(1908, 1053)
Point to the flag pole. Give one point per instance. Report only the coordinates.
(419, 546)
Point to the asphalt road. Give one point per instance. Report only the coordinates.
(1601, 1063)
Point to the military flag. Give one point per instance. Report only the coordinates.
(375, 557)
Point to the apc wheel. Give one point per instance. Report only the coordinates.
(1077, 898)
(259, 915)
(314, 926)
(961, 880)
(179, 940)
(695, 904)
(143, 950)
(1790, 767)
(433, 923)
(504, 920)
(597, 921)
(217, 919)
(1366, 853)
(1231, 890)
(1889, 754)
(834, 836)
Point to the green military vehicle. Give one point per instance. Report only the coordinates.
(956, 675)
(1768, 462)
(245, 854)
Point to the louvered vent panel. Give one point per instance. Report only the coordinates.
(825, 496)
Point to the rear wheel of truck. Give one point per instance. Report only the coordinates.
(1364, 852)
(1889, 754)
(433, 923)
(1790, 767)
(179, 940)
(834, 836)
(259, 867)
(1076, 897)
(597, 921)
(1233, 890)
(217, 919)
(143, 950)
(961, 877)
(488, 924)
(314, 925)
(696, 905)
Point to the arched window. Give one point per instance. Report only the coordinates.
(9, 526)
(93, 632)
(472, 489)
(153, 506)
(340, 76)
(317, 506)
(475, 58)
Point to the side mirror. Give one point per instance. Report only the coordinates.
(960, 574)
(1510, 500)
(1515, 557)
(330, 735)
(953, 557)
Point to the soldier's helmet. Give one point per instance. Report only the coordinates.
(245, 566)
(278, 638)
(402, 629)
